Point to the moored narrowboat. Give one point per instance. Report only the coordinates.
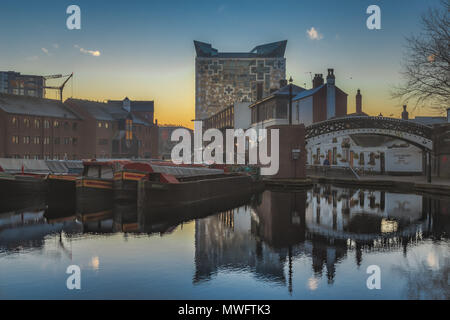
(94, 189)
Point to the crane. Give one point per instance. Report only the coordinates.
(61, 87)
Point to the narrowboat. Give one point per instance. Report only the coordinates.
(94, 189)
(61, 191)
(126, 180)
(21, 191)
(164, 196)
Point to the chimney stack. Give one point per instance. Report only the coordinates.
(405, 114)
(330, 77)
(318, 80)
(283, 83)
(358, 102)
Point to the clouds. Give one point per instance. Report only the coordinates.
(94, 53)
(44, 50)
(313, 34)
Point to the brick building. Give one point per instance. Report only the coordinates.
(36, 128)
(22, 84)
(117, 129)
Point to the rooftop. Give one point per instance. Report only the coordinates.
(269, 50)
(33, 106)
(106, 111)
(136, 106)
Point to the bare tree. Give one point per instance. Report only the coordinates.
(426, 70)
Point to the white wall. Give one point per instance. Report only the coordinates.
(242, 115)
(398, 159)
(404, 159)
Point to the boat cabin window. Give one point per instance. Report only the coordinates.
(107, 172)
(92, 172)
(96, 171)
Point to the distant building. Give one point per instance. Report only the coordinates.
(37, 128)
(274, 108)
(22, 84)
(165, 145)
(117, 129)
(222, 78)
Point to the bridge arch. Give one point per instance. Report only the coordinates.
(411, 132)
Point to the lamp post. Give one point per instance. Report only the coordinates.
(290, 100)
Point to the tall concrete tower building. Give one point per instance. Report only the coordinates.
(223, 78)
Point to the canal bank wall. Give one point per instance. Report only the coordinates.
(439, 187)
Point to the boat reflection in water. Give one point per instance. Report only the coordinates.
(315, 243)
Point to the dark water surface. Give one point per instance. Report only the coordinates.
(314, 244)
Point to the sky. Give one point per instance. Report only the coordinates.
(144, 49)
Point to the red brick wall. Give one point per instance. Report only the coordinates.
(37, 148)
(320, 105)
(291, 137)
(341, 103)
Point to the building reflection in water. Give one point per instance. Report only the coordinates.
(324, 223)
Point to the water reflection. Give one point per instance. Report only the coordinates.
(291, 241)
(325, 223)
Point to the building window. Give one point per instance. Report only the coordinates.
(106, 125)
(15, 139)
(129, 129)
(46, 124)
(26, 122)
(26, 140)
(56, 124)
(37, 140)
(15, 122)
(74, 141)
(74, 126)
(37, 123)
(66, 140)
(99, 124)
(56, 140)
(47, 140)
(361, 158)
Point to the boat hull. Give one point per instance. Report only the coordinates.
(93, 195)
(18, 192)
(159, 201)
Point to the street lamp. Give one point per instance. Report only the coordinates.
(290, 100)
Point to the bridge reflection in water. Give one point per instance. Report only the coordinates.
(325, 223)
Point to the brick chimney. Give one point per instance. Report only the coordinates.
(405, 114)
(358, 102)
(318, 80)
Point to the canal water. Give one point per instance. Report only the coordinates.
(312, 244)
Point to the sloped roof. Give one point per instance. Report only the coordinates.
(34, 106)
(307, 93)
(107, 111)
